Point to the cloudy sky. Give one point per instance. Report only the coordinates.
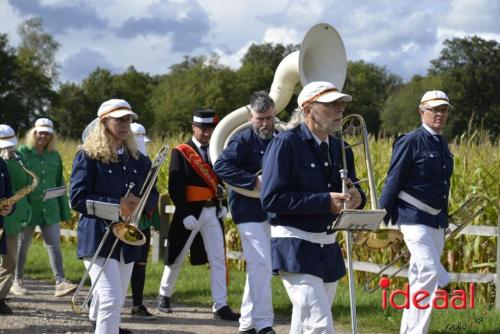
(154, 34)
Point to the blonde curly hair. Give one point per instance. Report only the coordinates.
(100, 145)
(30, 140)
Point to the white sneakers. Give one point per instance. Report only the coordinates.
(64, 288)
(18, 288)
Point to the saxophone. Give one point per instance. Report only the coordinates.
(21, 192)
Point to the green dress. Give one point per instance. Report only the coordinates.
(22, 213)
(49, 169)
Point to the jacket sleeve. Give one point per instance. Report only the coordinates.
(396, 175)
(177, 181)
(64, 209)
(83, 175)
(229, 165)
(278, 194)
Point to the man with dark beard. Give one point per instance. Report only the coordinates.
(239, 166)
(302, 193)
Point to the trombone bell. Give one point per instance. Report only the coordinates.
(129, 234)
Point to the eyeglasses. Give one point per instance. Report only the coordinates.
(124, 119)
(436, 110)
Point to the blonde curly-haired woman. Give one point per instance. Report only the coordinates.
(107, 164)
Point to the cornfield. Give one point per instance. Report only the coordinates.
(476, 171)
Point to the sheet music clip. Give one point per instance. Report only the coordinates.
(359, 220)
(54, 192)
(104, 210)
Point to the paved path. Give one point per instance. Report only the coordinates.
(41, 312)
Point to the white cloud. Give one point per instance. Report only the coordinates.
(281, 35)
(402, 35)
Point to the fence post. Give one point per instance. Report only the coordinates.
(497, 278)
(157, 246)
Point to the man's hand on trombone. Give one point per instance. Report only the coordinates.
(352, 198)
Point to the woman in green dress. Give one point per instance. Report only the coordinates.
(41, 157)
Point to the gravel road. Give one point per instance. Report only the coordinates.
(41, 312)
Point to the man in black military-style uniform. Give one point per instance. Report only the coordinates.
(194, 190)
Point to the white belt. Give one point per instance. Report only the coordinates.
(291, 232)
(418, 203)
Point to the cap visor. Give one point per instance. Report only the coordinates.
(333, 96)
(123, 112)
(44, 129)
(8, 142)
(437, 103)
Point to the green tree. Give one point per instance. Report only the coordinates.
(136, 88)
(369, 85)
(196, 82)
(400, 112)
(10, 103)
(38, 48)
(98, 87)
(71, 111)
(470, 68)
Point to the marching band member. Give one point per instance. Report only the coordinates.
(415, 195)
(6, 245)
(139, 272)
(302, 193)
(12, 226)
(103, 171)
(40, 156)
(194, 190)
(238, 165)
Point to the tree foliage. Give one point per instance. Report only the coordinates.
(400, 111)
(470, 68)
(369, 85)
(200, 82)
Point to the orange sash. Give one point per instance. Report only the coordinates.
(201, 167)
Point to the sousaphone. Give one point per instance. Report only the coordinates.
(321, 57)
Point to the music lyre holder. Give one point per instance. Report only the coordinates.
(350, 220)
(358, 220)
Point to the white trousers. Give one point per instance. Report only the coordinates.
(213, 239)
(257, 303)
(109, 293)
(426, 272)
(312, 303)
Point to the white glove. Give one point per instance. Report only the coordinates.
(222, 213)
(190, 223)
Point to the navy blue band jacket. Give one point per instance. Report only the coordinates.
(296, 184)
(238, 165)
(421, 166)
(181, 174)
(5, 192)
(94, 180)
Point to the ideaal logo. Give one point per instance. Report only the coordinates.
(440, 300)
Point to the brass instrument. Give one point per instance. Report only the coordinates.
(21, 193)
(127, 231)
(354, 124)
(459, 219)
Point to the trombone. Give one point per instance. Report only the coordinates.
(355, 124)
(466, 214)
(126, 231)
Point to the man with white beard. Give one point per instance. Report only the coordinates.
(302, 193)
